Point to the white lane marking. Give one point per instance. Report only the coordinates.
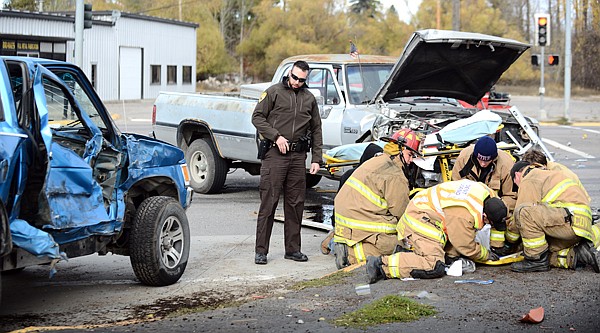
(566, 148)
(582, 129)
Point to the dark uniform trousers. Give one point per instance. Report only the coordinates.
(281, 173)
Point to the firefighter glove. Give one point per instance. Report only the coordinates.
(492, 256)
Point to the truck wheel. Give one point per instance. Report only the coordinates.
(159, 241)
(208, 170)
(312, 180)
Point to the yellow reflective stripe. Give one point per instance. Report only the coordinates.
(339, 239)
(596, 230)
(423, 229)
(359, 252)
(394, 265)
(512, 237)
(366, 192)
(562, 258)
(582, 233)
(575, 209)
(483, 255)
(496, 235)
(533, 243)
(378, 227)
(400, 227)
(558, 189)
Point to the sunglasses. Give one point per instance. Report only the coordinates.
(299, 79)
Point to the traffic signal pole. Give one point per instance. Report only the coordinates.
(79, 33)
(543, 114)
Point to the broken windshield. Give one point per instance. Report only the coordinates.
(365, 80)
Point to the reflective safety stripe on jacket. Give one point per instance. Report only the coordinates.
(581, 221)
(377, 227)
(496, 235)
(463, 193)
(366, 192)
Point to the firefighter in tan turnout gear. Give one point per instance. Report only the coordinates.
(368, 205)
(554, 220)
(484, 162)
(441, 221)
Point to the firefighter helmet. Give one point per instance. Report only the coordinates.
(407, 138)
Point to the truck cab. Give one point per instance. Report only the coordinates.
(347, 85)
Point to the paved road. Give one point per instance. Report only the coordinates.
(99, 289)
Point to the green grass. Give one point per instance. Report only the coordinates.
(328, 280)
(389, 309)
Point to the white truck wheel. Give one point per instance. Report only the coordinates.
(208, 170)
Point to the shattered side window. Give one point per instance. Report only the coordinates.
(84, 101)
(60, 111)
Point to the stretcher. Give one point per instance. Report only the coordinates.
(508, 259)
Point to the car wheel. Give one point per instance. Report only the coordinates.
(159, 241)
(208, 170)
(312, 180)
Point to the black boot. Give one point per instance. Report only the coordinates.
(375, 269)
(532, 265)
(586, 254)
(438, 271)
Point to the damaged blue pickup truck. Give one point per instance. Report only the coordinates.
(71, 184)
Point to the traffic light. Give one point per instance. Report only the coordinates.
(535, 59)
(553, 60)
(543, 29)
(87, 16)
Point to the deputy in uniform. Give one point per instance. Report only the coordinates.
(440, 221)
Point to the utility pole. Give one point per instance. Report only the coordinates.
(568, 14)
(79, 33)
(456, 15)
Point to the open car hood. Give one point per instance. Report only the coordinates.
(454, 64)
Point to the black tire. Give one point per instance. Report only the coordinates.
(208, 170)
(312, 180)
(159, 241)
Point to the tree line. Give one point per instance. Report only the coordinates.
(251, 37)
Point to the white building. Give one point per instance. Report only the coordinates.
(125, 56)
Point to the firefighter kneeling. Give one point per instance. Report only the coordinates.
(554, 219)
(440, 222)
(368, 205)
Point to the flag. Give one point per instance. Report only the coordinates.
(353, 50)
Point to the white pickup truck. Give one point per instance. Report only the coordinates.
(362, 99)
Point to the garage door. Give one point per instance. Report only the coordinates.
(130, 73)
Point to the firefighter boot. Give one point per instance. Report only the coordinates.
(586, 254)
(438, 271)
(340, 250)
(532, 265)
(375, 269)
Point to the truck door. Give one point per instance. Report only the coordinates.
(322, 78)
(73, 141)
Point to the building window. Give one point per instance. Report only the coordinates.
(94, 76)
(155, 74)
(187, 74)
(171, 74)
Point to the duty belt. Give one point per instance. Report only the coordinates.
(297, 147)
